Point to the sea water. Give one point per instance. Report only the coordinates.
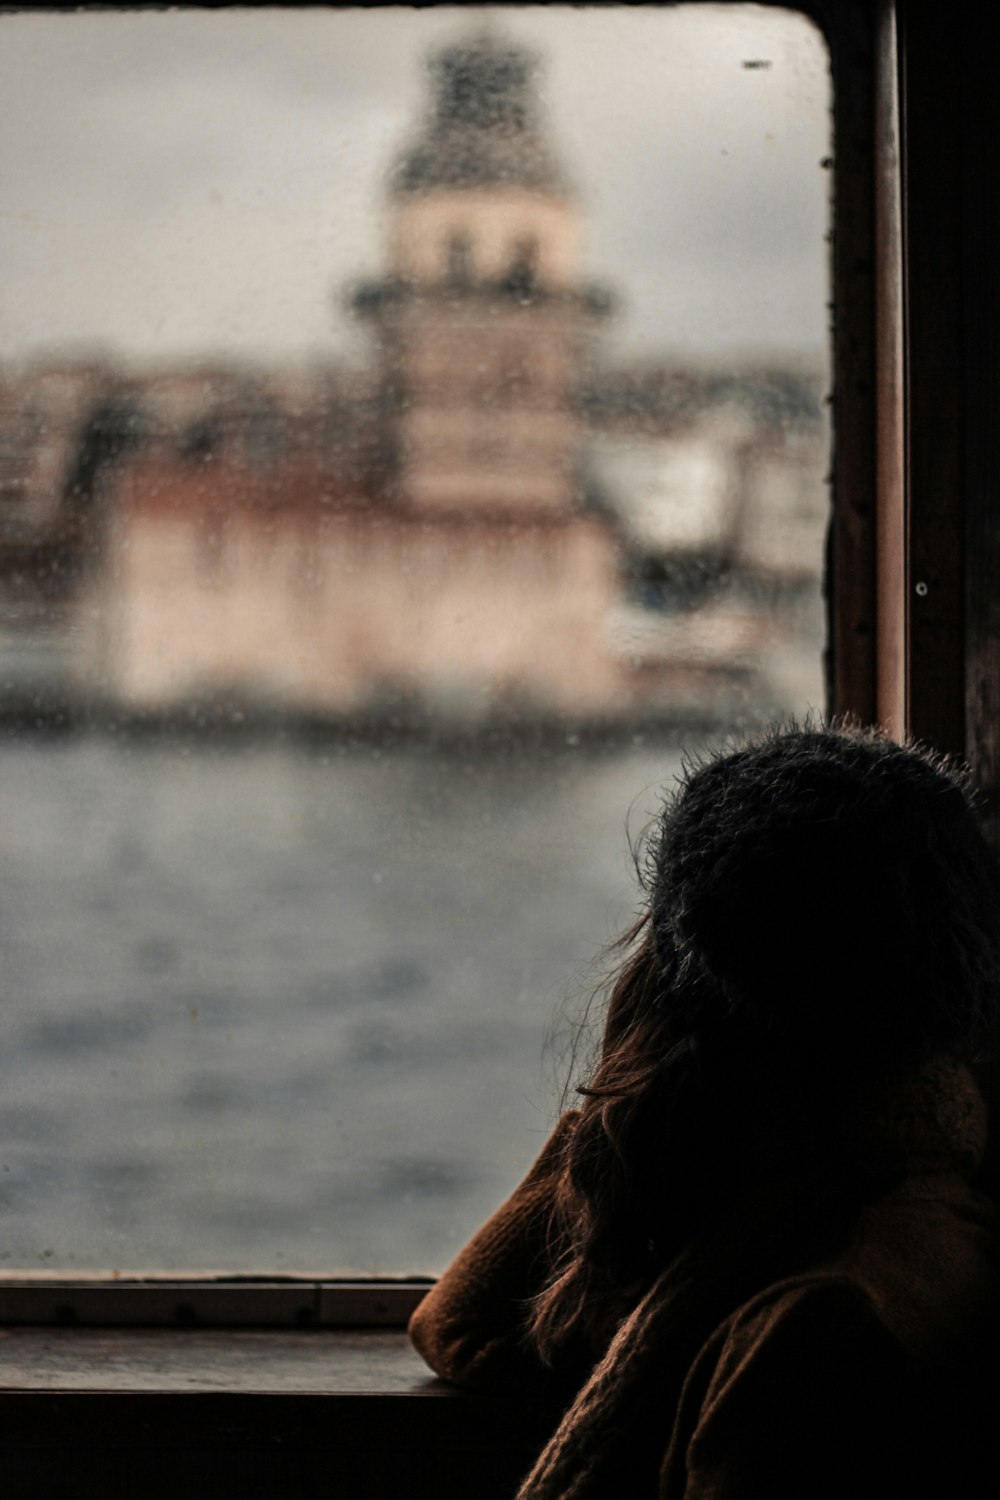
(279, 1007)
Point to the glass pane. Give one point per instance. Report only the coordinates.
(412, 439)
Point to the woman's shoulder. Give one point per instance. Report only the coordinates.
(917, 1269)
(925, 1302)
(808, 1386)
(813, 1310)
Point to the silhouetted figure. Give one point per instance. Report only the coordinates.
(757, 1262)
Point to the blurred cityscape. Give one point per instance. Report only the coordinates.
(488, 521)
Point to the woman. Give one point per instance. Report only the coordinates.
(757, 1260)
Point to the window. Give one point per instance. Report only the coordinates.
(328, 681)
(459, 257)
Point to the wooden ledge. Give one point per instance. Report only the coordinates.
(116, 1414)
(246, 1361)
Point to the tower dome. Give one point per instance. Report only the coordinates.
(484, 126)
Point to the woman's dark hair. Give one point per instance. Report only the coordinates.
(822, 912)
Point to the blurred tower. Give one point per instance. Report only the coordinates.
(483, 325)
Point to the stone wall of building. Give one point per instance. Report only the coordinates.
(347, 610)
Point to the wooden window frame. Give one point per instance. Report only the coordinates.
(914, 285)
(937, 542)
(208, 1302)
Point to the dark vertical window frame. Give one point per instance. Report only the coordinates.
(850, 29)
(914, 553)
(930, 69)
(938, 336)
(980, 271)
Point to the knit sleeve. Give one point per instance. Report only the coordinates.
(469, 1326)
(809, 1394)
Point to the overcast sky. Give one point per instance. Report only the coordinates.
(207, 182)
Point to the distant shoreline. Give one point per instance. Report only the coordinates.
(51, 716)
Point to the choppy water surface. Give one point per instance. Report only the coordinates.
(286, 1008)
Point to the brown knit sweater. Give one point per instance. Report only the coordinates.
(860, 1375)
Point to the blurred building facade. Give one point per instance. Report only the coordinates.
(483, 522)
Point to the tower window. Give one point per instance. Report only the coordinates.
(523, 273)
(459, 258)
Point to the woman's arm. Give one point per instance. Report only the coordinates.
(469, 1327)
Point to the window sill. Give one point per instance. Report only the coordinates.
(158, 1412)
(253, 1362)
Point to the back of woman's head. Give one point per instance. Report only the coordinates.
(823, 914)
(830, 890)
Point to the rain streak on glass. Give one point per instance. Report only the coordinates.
(412, 437)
